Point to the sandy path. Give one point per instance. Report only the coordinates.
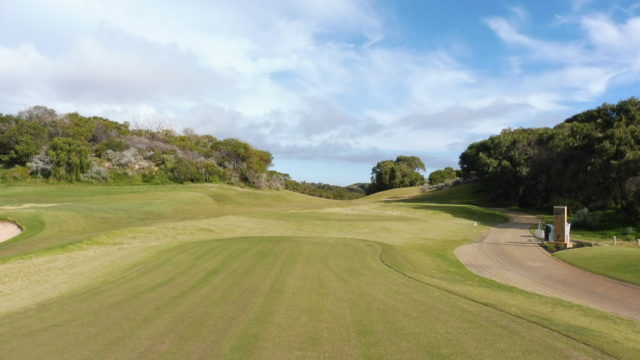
(510, 255)
(8, 230)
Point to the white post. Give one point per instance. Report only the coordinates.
(638, 242)
(614, 240)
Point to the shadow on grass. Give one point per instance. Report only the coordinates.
(466, 194)
(482, 216)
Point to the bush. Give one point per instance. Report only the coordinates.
(186, 171)
(442, 176)
(629, 233)
(582, 218)
(16, 173)
(157, 177)
(70, 158)
(96, 174)
(41, 164)
(113, 144)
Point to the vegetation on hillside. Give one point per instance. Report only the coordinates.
(591, 160)
(40, 143)
(326, 191)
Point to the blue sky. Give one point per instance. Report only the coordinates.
(330, 87)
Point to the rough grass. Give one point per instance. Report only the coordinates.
(618, 262)
(221, 272)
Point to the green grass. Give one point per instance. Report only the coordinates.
(221, 272)
(468, 194)
(618, 262)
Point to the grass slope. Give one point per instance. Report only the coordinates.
(618, 262)
(222, 272)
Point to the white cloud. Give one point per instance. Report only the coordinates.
(539, 50)
(579, 4)
(304, 79)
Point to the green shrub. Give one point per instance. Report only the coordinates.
(113, 144)
(70, 158)
(16, 173)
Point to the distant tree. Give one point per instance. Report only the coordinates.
(241, 159)
(402, 172)
(324, 190)
(70, 158)
(441, 176)
(412, 163)
(39, 114)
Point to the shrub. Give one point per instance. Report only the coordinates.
(629, 233)
(186, 171)
(41, 164)
(442, 176)
(582, 218)
(96, 173)
(17, 173)
(70, 158)
(113, 144)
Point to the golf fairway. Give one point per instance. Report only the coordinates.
(244, 274)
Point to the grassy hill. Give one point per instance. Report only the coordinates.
(214, 271)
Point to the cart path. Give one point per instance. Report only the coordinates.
(8, 230)
(509, 254)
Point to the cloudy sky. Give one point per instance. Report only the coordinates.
(330, 87)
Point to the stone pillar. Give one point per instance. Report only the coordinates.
(559, 223)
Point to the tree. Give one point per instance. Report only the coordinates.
(241, 159)
(441, 176)
(22, 141)
(402, 172)
(590, 160)
(39, 114)
(70, 158)
(412, 163)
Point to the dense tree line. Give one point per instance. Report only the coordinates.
(327, 191)
(40, 143)
(591, 160)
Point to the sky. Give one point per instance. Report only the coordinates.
(329, 87)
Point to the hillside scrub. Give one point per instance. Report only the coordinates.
(326, 191)
(39, 143)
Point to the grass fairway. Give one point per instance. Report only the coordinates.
(617, 262)
(221, 272)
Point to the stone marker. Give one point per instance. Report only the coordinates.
(559, 225)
